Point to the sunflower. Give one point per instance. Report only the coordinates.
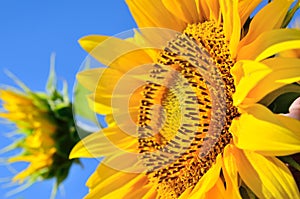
(45, 134)
(182, 101)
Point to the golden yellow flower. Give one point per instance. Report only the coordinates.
(47, 133)
(182, 102)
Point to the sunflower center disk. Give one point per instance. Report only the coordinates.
(187, 109)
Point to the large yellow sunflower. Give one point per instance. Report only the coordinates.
(181, 102)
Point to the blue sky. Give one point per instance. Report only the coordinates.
(30, 31)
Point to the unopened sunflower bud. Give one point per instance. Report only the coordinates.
(45, 123)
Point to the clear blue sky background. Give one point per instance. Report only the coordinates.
(29, 32)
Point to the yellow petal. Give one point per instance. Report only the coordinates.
(126, 162)
(210, 10)
(118, 91)
(272, 50)
(289, 123)
(101, 173)
(269, 43)
(89, 78)
(229, 169)
(113, 83)
(16, 98)
(246, 7)
(267, 177)
(102, 107)
(268, 18)
(186, 10)
(109, 141)
(148, 13)
(232, 24)
(110, 184)
(260, 130)
(186, 193)
(151, 194)
(294, 53)
(217, 191)
(136, 188)
(247, 74)
(207, 181)
(284, 71)
(121, 55)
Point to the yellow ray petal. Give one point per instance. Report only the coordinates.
(110, 184)
(15, 98)
(106, 104)
(272, 50)
(91, 147)
(126, 162)
(101, 173)
(113, 88)
(267, 177)
(269, 43)
(203, 9)
(126, 121)
(109, 141)
(135, 188)
(101, 107)
(185, 10)
(229, 169)
(151, 194)
(284, 71)
(289, 123)
(124, 107)
(89, 78)
(208, 180)
(217, 191)
(268, 18)
(148, 13)
(246, 7)
(113, 167)
(232, 24)
(247, 74)
(186, 193)
(210, 10)
(260, 130)
(121, 56)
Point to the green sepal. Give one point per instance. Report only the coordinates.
(65, 93)
(51, 82)
(17, 81)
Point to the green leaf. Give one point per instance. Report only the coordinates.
(283, 102)
(51, 82)
(289, 160)
(291, 88)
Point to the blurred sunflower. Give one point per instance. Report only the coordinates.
(46, 132)
(199, 127)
